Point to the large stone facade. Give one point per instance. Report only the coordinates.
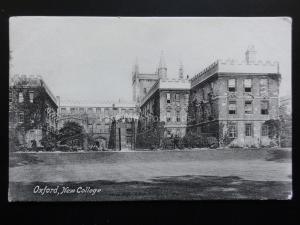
(163, 108)
(229, 101)
(232, 101)
(97, 119)
(166, 104)
(32, 110)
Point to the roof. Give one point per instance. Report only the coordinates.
(85, 103)
(167, 84)
(31, 81)
(238, 67)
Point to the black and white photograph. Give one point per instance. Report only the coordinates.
(149, 108)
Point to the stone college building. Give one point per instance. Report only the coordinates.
(229, 101)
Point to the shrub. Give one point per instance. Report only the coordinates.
(212, 142)
(63, 148)
(93, 148)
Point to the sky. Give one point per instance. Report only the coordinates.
(91, 58)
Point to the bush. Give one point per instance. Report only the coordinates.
(212, 142)
(75, 148)
(64, 148)
(21, 148)
(93, 148)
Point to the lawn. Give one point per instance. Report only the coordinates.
(162, 175)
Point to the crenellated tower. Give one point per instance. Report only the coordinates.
(141, 83)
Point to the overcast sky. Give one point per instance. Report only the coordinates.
(91, 58)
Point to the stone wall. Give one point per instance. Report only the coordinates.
(208, 104)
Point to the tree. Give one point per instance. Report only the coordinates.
(112, 136)
(286, 130)
(71, 132)
(32, 112)
(274, 130)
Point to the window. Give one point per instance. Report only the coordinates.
(63, 110)
(168, 133)
(177, 99)
(168, 116)
(145, 90)
(10, 96)
(168, 98)
(21, 117)
(264, 107)
(90, 110)
(81, 109)
(248, 107)
(177, 116)
(90, 128)
(248, 130)
(232, 107)
(247, 85)
(264, 130)
(11, 116)
(31, 96)
(73, 110)
(98, 110)
(263, 86)
(231, 85)
(21, 98)
(212, 86)
(232, 130)
(186, 97)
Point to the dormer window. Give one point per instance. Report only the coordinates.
(231, 85)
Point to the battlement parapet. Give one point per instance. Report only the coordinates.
(167, 84)
(235, 67)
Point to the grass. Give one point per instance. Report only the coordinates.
(165, 188)
(161, 175)
(19, 159)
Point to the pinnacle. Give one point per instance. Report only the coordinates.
(162, 62)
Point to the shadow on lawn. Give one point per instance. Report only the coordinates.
(25, 159)
(279, 155)
(160, 188)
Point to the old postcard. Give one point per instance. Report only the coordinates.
(124, 108)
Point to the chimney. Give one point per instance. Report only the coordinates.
(250, 54)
